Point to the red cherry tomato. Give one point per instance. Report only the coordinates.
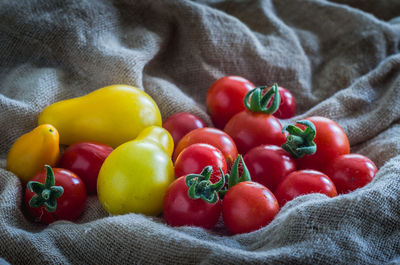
(268, 164)
(85, 159)
(248, 206)
(225, 98)
(179, 209)
(331, 142)
(249, 129)
(303, 182)
(179, 124)
(351, 171)
(194, 158)
(211, 136)
(288, 106)
(256, 125)
(70, 204)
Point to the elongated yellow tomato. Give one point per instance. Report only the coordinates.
(33, 150)
(111, 115)
(136, 175)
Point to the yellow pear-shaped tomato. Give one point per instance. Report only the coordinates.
(33, 150)
(136, 175)
(111, 115)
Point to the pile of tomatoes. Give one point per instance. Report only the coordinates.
(255, 164)
(244, 169)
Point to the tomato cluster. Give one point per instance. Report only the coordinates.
(244, 169)
(266, 165)
(139, 170)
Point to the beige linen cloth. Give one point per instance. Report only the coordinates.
(339, 58)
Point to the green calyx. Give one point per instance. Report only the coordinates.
(259, 103)
(47, 193)
(300, 143)
(200, 186)
(233, 178)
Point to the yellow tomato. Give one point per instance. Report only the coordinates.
(32, 151)
(111, 115)
(135, 176)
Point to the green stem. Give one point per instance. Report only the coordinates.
(200, 186)
(46, 193)
(259, 103)
(300, 143)
(233, 178)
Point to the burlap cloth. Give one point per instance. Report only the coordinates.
(339, 58)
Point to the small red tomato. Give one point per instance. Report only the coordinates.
(249, 130)
(47, 202)
(225, 98)
(328, 137)
(256, 125)
(268, 164)
(248, 206)
(85, 159)
(331, 142)
(211, 136)
(194, 158)
(181, 123)
(351, 171)
(288, 106)
(303, 182)
(179, 209)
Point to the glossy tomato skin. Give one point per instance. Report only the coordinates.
(85, 160)
(194, 158)
(181, 123)
(331, 142)
(135, 176)
(225, 98)
(351, 171)
(249, 129)
(179, 209)
(269, 164)
(303, 182)
(248, 206)
(70, 204)
(211, 136)
(287, 108)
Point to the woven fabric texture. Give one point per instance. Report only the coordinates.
(340, 59)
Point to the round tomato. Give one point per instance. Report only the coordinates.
(179, 124)
(55, 194)
(268, 164)
(351, 171)
(225, 98)
(288, 106)
(256, 125)
(211, 136)
(330, 141)
(303, 182)
(85, 160)
(179, 209)
(248, 206)
(194, 158)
